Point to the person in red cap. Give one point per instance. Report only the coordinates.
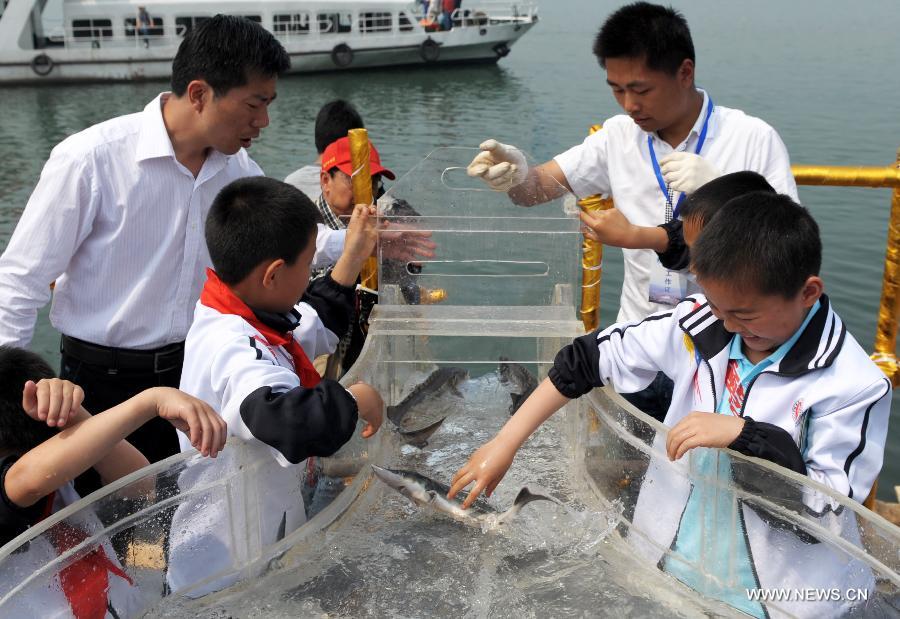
(336, 200)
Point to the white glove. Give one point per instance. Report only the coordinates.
(687, 172)
(501, 166)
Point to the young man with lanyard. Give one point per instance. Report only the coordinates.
(671, 140)
(117, 221)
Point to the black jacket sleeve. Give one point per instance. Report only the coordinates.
(677, 256)
(576, 369)
(301, 422)
(769, 442)
(335, 304)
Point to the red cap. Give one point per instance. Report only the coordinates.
(337, 155)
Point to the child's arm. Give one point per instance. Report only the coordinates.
(610, 227)
(489, 464)
(98, 442)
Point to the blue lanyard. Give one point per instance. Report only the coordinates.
(658, 172)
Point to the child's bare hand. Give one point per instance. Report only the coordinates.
(52, 400)
(702, 430)
(403, 243)
(609, 227)
(486, 468)
(361, 233)
(205, 428)
(370, 406)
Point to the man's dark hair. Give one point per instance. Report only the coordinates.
(333, 121)
(759, 241)
(708, 199)
(20, 433)
(225, 51)
(658, 34)
(255, 219)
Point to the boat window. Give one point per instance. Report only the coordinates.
(92, 28)
(183, 25)
(156, 29)
(297, 23)
(405, 22)
(375, 22)
(334, 23)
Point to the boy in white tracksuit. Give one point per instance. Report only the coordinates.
(776, 376)
(248, 354)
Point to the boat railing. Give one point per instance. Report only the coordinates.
(494, 12)
(884, 353)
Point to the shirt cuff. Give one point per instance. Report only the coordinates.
(329, 246)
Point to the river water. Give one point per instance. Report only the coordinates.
(822, 73)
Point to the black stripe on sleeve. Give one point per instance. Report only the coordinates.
(255, 347)
(301, 422)
(576, 368)
(862, 437)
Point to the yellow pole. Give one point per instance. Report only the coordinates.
(362, 193)
(592, 262)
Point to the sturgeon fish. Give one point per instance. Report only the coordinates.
(442, 377)
(523, 382)
(419, 438)
(397, 271)
(426, 492)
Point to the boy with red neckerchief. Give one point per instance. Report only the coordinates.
(257, 325)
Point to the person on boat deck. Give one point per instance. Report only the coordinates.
(144, 23)
(46, 439)
(258, 323)
(762, 365)
(116, 219)
(334, 120)
(671, 140)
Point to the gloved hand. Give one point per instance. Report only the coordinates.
(687, 172)
(501, 166)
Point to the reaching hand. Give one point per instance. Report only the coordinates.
(205, 428)
(610, 227)
(702, 430)
(687, 172)
(361, 233)
(405, 244)
(501, 166)
(53, 400)
(486, 468)
(370, 406)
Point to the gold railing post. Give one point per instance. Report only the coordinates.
(889, 311)
(592, 262)
(362, 193)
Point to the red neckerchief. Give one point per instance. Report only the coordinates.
(85, 582)
(218, 296)
(734, 388)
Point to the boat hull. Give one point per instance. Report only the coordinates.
(459, 46)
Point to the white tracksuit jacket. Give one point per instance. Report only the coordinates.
(822, 411)
(254, 387)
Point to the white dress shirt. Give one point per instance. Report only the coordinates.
(329, 242)
(616, 161)
(118, 223)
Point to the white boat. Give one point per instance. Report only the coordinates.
(99, 39)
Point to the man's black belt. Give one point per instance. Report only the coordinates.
(157, 360)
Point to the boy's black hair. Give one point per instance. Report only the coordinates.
(333, 121)
(658, 34)
(20, 433)
(255, 219)
(708, 199)
(225, 51)
(759, 241)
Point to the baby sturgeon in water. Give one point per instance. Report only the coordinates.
(442, 377)
(426, 492)
(523, 382)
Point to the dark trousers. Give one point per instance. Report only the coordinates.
(655, 399)
(157, 439)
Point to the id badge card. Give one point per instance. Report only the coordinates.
(666, 287)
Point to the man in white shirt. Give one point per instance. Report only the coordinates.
(671, 140)
(117, 219)
(334, 120)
